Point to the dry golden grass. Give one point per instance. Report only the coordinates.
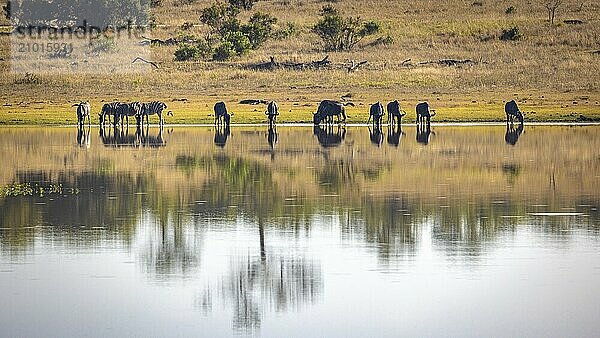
(551, 71)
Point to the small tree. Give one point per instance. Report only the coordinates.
(228, 36)
(551, 7)
(339, 33)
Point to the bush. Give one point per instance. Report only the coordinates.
(232, 37)
(259, 29)
(290, 29)
(339, 33)
(190, 52)
(510, 10)
(511, 34)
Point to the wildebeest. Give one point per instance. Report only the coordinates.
(512, 135)
(423, 133)
(512, 110)
(395, 112)
(108, 110)
(83, 111)
(221, 113)
(376, 113)
(394, 135)
(327, 110)
(424, 113)
(272, 112)
(327, 137)
(151, 108)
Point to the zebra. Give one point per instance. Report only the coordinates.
(151, 108)
(83, 111)
(109, 109)
(130, 109)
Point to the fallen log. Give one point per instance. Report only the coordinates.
(448, 62)
(273, 64)
(253, 101)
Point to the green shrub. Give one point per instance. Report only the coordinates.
(232, 37)
(510, 10)
(339, 33)
(259, 29)
(191, 52)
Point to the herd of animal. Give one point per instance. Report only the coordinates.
(120, 112)
(326, 112)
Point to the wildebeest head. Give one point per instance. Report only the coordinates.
(317, 118)
(227, 118)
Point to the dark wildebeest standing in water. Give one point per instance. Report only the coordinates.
(376, 112)
(83, 112)
(394, 135)
(512, 110)
(327, 110)
(512, 135)
(222, 116)
(424, 113)
(272, 112)
(395, 113)
(329, 138)
(376, 135)
(423, 133)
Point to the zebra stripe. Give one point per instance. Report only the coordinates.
(151, 108)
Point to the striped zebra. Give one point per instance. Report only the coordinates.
(83, 111)
(130, 109)
(109, 109)
(151, 108)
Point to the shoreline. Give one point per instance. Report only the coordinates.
(304, 125)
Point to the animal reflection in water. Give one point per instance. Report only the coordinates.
(222, 133)
(330, 136)
(423, 133)
(394, 134)
(376, 135)
(272, 136)
(115, 137)
(83, 136)
(512, 134)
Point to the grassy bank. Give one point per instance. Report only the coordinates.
(563, 107)
(552, 71)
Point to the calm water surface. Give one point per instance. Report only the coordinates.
(453, 231)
